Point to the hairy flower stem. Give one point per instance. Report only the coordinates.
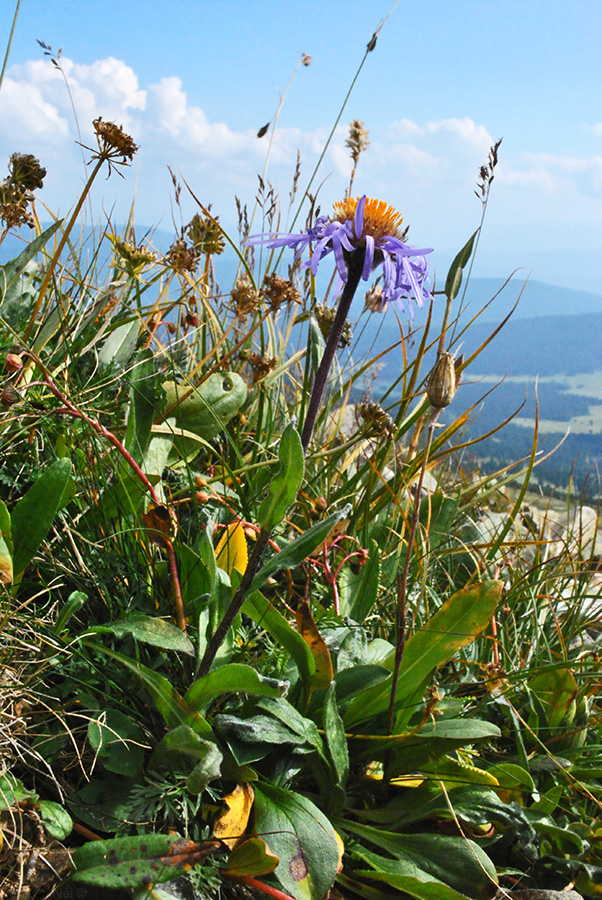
(353, 278)
(354, 275)
(402, 580)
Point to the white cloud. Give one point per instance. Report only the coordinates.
(428, 170)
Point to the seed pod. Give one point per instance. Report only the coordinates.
(13, 362)
(442, 383)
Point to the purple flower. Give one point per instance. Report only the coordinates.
(374, 227)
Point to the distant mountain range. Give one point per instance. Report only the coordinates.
(554, 335)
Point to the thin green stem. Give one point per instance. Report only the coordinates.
(57, 254)
(402, 580)
(9, 43)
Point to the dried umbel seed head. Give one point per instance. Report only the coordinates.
(277, 291)
(14, 205)
(26, 171)
(443, 382)
(376, 422)
(261, 365)
(325, 317)
(205, 235)
(244, 299)
(358, 140)
(181, 257)
(113, 142)
(374, 299)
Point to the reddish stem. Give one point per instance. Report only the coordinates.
(175, 583)
(261, 886)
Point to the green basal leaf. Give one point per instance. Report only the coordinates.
(359, 592)
(149, 630)
(455, 862)
(232, 678)
(455, 624)
(301, 837)
(34, 513)
(57, 822)
(129, 862)
(285, 482)
(261, 611)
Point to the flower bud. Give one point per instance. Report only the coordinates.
(13, 362)
(442, 384)
(9, 396)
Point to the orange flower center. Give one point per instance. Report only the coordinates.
(380, 219)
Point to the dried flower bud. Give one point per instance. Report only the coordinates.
(9, 396)
(182, 258)
(376, 422)
(442, 384)
(325, 317)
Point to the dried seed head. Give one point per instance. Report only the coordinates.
(306, 59)
(181, 257)
(358, 140)
(261, 365)
(113, 142)
(375, 421)
(205, 235)
(374, 299)
(325, 317)
(276, 291)
(26, 171)
(14, 205)
(244, 299)
(442, 383)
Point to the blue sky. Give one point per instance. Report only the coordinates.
(193, 81)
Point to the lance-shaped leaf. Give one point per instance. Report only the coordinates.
(298, 550)
(308, 630)
(286, 482)
(34, 513)
(455, 624)
(454, 276)
(301, 837)
(146, 859)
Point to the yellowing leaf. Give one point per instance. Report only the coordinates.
(251, 857)
(309, 632)
(231, 550)
(230, 826)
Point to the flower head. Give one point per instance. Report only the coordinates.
(370, 227)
